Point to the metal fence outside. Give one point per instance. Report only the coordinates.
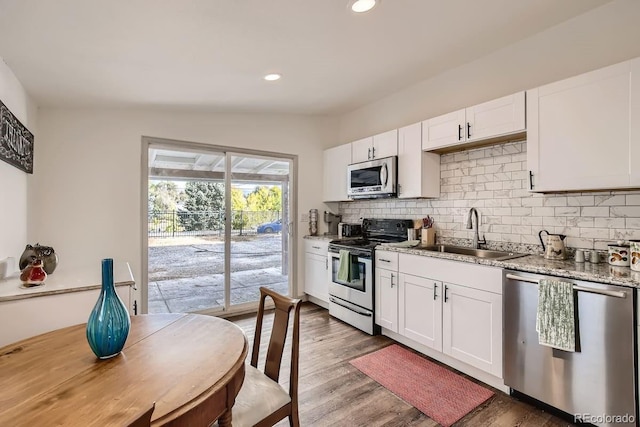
(206, 223)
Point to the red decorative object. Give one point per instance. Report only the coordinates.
(33, 274)
(439, 393)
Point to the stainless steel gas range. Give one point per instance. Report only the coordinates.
(352, 301)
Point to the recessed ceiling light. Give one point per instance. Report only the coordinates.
(360, 6)
(272, 77)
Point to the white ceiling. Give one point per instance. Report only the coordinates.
(210, 55)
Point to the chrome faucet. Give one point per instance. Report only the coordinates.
(476, 237)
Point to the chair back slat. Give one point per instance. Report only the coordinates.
(283, 307)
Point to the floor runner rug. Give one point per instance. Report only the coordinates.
(439, 393)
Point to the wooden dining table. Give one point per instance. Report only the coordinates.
(191, 366)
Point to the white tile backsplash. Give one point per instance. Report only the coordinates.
(494, 180)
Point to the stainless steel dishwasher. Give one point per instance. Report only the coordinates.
(598, 381)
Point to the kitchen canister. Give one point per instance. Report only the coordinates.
(313, 222)
(619, 254)
(635, 254)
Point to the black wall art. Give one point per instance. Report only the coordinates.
(16, 142)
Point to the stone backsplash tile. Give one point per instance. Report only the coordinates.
(494, 180)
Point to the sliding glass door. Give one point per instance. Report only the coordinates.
(259, 254)
(217, 227)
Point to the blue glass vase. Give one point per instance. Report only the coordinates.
(109, 323)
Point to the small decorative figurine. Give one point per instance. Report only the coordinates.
(44, 253)
(33, 274)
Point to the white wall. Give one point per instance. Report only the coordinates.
(86, 193)
(13, 182)
(600, 37)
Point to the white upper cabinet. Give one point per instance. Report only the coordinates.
(444, 131)
(375, 147)
(584, 132)
(483, 122)
(418, 171)
(361, 149)
(336, 160)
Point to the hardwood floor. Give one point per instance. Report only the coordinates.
(334, 393)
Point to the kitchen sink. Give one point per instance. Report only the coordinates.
(480, 253)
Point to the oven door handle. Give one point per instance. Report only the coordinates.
(361, 313)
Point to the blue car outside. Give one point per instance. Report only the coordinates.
(270, 227)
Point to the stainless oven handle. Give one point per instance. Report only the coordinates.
(617, 294)
(361, 313)
(384, 175)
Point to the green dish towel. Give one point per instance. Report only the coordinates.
(348, 269)
(555, 320)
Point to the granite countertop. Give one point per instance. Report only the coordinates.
(601, 273)
(327, 237)
(63, 281)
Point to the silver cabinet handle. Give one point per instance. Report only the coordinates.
(315, 247)
(369, 154)
(392, 280)
(373, 153)
(616, 294)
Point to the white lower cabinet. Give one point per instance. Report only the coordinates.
(386, 290)
(454, 308)
(472, 327)
(386, 315)
(421, 314)
(316, 269)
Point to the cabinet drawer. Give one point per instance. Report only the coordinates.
(387, 260)
(475, 276)
(317, 247)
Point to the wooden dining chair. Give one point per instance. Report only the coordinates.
(143, 419)
(262, 401)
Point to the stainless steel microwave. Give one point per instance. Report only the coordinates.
(373, 179)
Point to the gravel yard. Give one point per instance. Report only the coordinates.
(187, 273)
